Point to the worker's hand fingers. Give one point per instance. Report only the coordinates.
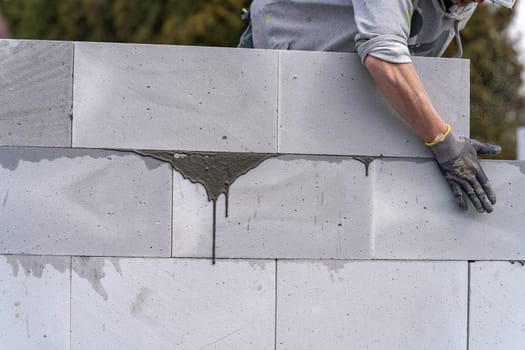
(458, 194)
(485, 184)
(467, 180)
(485, 148)
(473, 194)
(457, 158)
(482, 196)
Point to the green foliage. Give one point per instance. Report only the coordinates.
(495, 102)
(183, 22)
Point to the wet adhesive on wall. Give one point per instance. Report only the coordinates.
(215, 171)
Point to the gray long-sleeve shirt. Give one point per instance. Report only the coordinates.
(391, 30)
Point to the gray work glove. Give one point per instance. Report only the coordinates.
(457, 158)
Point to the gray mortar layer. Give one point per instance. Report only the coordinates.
(35, 265)
(10, 157)
(415, 160)
(92, 269)
(366, 160)
(215, 171)
(316, 158)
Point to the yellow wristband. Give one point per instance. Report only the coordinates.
(439, 138)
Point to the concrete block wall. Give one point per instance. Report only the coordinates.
(127, 170)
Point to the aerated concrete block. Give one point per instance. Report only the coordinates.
(416, 216)
(298, 207)
(192, 219)
(372, 305)
(327, 100)
(497, 310)
(84, 202)
(36, 79)
(172, 304)
(175, 97)
(34, 307)
(287, 207)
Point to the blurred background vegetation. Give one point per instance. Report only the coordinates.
(496, 103)
(183, 22)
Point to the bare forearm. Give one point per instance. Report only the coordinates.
(403, 89)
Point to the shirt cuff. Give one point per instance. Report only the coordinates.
(385, 47)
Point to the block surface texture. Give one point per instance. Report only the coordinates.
(287, 207)
(415, 215)
(36, 79)
(372, 305)
(88, 234)
(172, 304)
(328, 104)
(192, 219)
(34, 307)
(175, 97)
(497, 310)
(84, 202)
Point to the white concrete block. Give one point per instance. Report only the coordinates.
(84, 202)
(328, 104)
(175, 97)
(34, 303)
(373, 305)
(298, 207)
(416, 217)
(172, 304)
(192, 219)
(36, 79)
(497, 309)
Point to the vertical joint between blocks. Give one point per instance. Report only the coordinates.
(278, 101)
(469, 264)
(275, 321)
(72, 95)
(70, 302)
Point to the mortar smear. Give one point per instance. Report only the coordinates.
(215, 171)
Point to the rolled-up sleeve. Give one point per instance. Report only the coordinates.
(383, 29)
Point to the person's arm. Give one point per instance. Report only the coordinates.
(402, 87)
(383, 31)
(456, 156)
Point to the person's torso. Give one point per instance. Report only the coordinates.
(329, 25)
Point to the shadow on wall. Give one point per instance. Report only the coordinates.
(4, 32)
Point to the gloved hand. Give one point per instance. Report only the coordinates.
(457, 158)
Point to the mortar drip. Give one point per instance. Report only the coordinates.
(215, 171)
(365, 160)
